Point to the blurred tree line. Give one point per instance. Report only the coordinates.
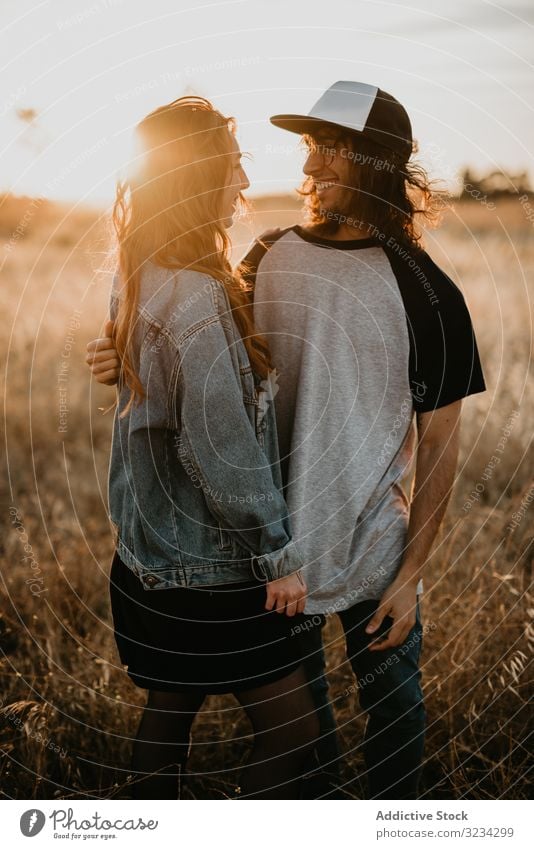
(495, 184)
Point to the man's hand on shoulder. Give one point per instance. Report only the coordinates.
(269, 234)
(102, 357)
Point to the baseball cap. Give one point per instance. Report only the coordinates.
(361, 108)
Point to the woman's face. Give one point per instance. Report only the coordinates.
(237, 182)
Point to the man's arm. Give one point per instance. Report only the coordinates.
(437, 455)
(102, 357)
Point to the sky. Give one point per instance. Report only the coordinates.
(92, 68)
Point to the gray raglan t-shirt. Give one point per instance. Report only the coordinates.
(362, 334)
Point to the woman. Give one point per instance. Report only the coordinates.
(205, 582)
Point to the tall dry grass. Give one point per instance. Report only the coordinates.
(69, 712)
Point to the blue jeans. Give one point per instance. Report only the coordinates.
(389, 692)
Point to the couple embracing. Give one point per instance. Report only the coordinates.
(269, 420)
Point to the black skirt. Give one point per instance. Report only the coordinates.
(214, 639)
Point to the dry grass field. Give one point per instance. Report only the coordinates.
(68, 712)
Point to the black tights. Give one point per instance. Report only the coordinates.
(285, 728)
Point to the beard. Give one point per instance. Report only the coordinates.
(342, 211)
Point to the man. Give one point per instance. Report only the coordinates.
(374, 351)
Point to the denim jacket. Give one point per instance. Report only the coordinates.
(194, 478)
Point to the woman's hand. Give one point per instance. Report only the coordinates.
(287, 595)
(102, 358)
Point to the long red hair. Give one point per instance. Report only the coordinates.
(168, 212)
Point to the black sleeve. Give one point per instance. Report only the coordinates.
(248, 267)
(444, 360)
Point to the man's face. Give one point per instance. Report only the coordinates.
(329, 169)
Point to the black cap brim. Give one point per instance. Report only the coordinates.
(306, 125)
(300, 124)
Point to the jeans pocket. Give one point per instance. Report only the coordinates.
(419, 625)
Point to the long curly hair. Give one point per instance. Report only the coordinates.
(168, 211)
(385, 194)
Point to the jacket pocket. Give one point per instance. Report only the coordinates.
(224, 541)
(248, 385)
